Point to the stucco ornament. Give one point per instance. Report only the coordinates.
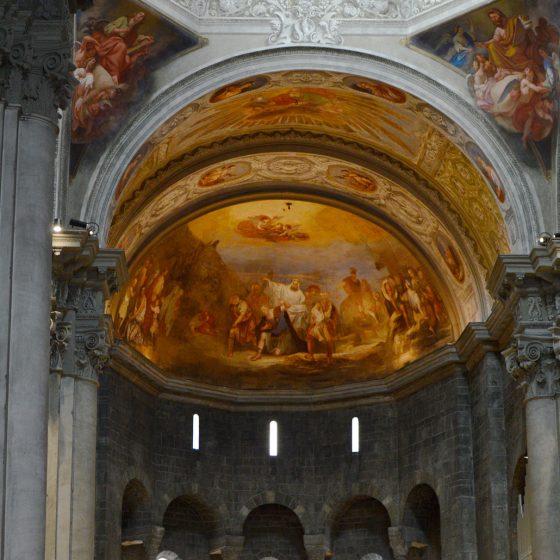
(340, 9)
(305, 21)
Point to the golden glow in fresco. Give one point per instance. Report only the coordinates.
(280, 294)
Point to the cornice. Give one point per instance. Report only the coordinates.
(436, 366)
(281, 21)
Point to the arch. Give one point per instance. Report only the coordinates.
(206, 503)
(519, 536)
(422, 512)
(135, 521)
(339, 501)
(98, 192)
(273, 530)
(270, 497)
(190, 527)
(360, 527)
(427, 479)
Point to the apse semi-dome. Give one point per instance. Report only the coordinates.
(284, 294)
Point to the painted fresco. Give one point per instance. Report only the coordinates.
(119, 44)
(280, 294)
(510, 52)
(350, 107)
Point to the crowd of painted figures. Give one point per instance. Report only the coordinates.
(277, 319)
(514, 73)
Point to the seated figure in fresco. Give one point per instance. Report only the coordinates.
(135, 331)
(322, 327)
(105, 60)
(242, 330)
(513, 76)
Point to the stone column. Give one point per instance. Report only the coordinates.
(529, 287)
(84, 278)
(34, 64)
(315, 547)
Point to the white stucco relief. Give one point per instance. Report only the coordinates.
(308, 21)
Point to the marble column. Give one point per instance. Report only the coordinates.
(529, 288)
(85, 276)
(34, 65)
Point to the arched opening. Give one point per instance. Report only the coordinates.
(360, 529)
(272, 530)
(519, 519)
(189, 525)
(135, 521)
(423, 514)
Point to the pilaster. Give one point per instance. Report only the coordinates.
(529, 289)
(84, 276)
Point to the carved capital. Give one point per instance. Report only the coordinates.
(60, 336)
(533, 364)
(35, 55)
(84, 278)
(91, 355)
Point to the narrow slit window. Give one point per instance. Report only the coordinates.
(355, 435)
(273, 439)
(196, 432)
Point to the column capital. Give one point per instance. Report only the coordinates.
(36, 55)
(84, 277)
(528, 288)
(532, 363)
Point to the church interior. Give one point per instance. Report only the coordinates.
(280, 279)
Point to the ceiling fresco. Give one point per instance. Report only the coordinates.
(286, 294)
(357, 111)
(119, 44)
(459, 182)
(347, 107)
(509, 51)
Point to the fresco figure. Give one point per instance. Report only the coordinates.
(107, 69)
(122, 312)
(512, 47)
(322, 327)
(135, 331)
(458, 47)
(242, 330)
(269, 326)
(203, 323)
(451, 258)
(291, 298)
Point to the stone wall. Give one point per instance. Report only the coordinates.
(425, 438)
